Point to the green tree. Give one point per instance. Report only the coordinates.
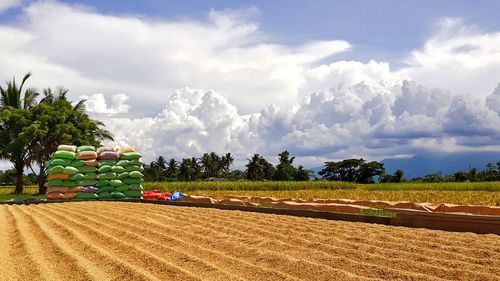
(285, 171)
(13, 96)
(61, 122)
(302, 174)
(172, 169)
(226, 163)
(352, 170)
(211, 164)
(17, 137)
(185, 169)
(258, 168)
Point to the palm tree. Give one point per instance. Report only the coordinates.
(185, 169)
(255, 168)
(159, 167)
(195, 168)
(13, 96)
(172, 168)
(227, 161)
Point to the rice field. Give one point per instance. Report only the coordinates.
(476, 193)
(320, 185)
(133, 241)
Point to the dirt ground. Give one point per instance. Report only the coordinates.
(130, 241)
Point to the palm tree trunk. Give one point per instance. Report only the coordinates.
(19, 179)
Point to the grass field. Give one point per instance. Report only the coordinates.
(132, 241)
(478, 193)
(321, 185)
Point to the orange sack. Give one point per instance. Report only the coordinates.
(86, 155)
(70, 195)
(125, 149)
(64, 147)
(57, 189)
(55, 195)
(59, 176)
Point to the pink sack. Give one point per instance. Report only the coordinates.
(108, 155)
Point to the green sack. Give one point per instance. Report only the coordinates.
(87, 169)
(104, 169)
(90, 176)
(86, 182)
(106, 176)
(122, 175)
(117, 169)
(55, 170)
(77, 177)
(131, 180)
(130, 155)
(118, 195)
(135, 174)
(86, 195)
(55, 183)
(135, 186)
(132, 168)
(107, 188)
(102, 183)
(69, 183)
(115, 182)
(85, 148)
(136, 162)
(59, 162)
(122, 187)
(64, 155)
(105, 195)
(77, 163)
(133, 193)
(123, 163)
(70, 170)
(106, 162)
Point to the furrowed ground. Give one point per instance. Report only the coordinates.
(133, 241)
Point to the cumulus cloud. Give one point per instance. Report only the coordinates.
(93, 52)
(365, 119)
(265, 97)
(458, 57)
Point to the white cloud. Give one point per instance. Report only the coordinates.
(97, 104)
(148, 59)
(266, 97)
(7, 4)
(460, 58)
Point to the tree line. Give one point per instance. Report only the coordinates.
(212, 165)
(33, 124)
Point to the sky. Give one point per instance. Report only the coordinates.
(326, 80)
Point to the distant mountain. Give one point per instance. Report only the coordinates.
(424, 164)
(446, 163)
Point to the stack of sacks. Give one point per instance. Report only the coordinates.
(124, 177)
(108, 183)
(86, 177)
(60, 171)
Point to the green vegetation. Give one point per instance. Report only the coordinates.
(322, 185)
(211, 165)
(31, 129)
(477, 193)
(378, 213)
